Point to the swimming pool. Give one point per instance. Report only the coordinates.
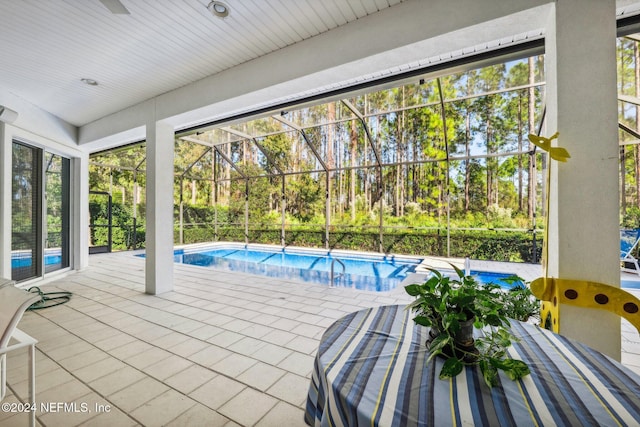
(378, 273)
(23, 258)
(371, 272)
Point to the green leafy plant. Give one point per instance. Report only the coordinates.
(519, 302)
(447, 306)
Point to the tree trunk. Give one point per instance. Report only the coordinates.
(331, 117)
(415, 179)
(213, 174)
(467, 161)
(489, 166)
(636, 154)
(441, 194)
(520, 174)
(340, 193)
(467, 151)
(368, 197)
(399, 211)
(352, 186)
(533, 179)
(636, 57)
(330, 161)
(623, 199)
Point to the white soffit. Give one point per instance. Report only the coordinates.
(626, 8)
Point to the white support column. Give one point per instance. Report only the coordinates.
(80, 210)
(581, 104)
(159, 234)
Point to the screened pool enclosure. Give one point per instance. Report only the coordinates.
(439, 165)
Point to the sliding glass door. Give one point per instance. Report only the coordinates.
(56, 175)
(26, 212)
(40, 227)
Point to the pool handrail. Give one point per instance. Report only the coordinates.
(344, 269)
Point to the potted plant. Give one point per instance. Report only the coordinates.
(452, 308)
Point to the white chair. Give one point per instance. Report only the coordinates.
(13, 303)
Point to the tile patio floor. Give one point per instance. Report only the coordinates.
(223, 349)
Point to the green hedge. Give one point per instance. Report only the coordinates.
(122, 237)
(511, 246)
(485, 245)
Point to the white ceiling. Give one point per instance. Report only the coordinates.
(47, 46)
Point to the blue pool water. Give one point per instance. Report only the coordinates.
(499, 279)
(630, 284)
(365, 272)
(377, 273)
(25, 260)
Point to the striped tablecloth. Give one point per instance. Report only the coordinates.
(370, 371)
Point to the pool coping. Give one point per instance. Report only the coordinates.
(303, 249)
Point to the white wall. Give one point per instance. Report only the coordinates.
(35, 121)
(5, 201)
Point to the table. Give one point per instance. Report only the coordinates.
(370, 370)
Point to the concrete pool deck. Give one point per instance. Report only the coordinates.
(200, 355)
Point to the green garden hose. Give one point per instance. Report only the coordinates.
(48, 299)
